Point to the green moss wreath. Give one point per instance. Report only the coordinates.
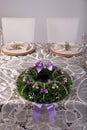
(44, 83)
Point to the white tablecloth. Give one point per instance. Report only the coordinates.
(16, 114)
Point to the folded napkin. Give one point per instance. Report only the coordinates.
(17, 46)
(67, 47)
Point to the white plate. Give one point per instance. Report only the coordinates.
(24, 48)
(59, 48)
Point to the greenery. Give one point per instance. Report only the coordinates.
(46, 86)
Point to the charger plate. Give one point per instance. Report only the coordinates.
(17, 48)
(59, 49)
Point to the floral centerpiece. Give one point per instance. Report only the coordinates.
(44, 83)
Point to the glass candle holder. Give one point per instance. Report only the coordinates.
(1, 39)
(84, 52)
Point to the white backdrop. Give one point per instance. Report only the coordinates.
(43, 9)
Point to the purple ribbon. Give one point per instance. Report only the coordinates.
(37, 109)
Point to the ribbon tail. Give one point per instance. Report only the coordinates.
(36, 111)
(51, 111)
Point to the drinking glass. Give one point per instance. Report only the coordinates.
(1, 41)
(84, 48)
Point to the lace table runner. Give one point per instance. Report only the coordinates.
(16, 114)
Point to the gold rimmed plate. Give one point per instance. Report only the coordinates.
(18, 48)
(65, 49)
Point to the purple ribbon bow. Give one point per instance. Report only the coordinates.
(39, 66)
(37, 109)
(49, 66)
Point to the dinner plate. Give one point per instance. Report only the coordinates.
(17, 48)
(60, 49)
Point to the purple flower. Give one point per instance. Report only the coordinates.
(49, 66)
(62, 83)
(43, 91)
(27, 82)
(39, 66)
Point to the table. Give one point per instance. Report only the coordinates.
(16, 114)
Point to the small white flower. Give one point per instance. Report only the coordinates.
(37, 87)
(57, 97)
(62, 72)
(24, 79)
(65, 79)
(33, 86)
(31, 97)
(53, 87)
(57, 86)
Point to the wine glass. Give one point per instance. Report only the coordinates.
(84, 38)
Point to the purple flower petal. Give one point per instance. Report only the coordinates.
(43, 91)
(49, 66)
(39, 66)
(62, 83)
(27, 82)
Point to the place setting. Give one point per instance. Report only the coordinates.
(18, 48)
(66, 49)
